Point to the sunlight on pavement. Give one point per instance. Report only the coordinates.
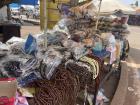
(133, 65)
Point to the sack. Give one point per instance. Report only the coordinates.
(8, 88)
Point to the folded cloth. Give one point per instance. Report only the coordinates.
(27, 79)
(65, 9)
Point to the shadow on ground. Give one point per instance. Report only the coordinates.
(135, 54)
(133, 66)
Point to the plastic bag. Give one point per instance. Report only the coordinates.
(4, 46)
(101, 98)
(42, 42)
(56, 38)
(14, 40)
(30, 46)
(69, 43)
(51, 66)
(29, 78)
(16, 48)
(52, 60)
(3, 49)
(79, 51)
(29, 66)
(61, 27)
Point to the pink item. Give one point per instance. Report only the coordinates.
(20, 100)
(113, 54)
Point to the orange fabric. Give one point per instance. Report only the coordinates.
(88, 42)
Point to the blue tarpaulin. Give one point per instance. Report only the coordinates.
(23, 2)
(14, 6)
(28, 2)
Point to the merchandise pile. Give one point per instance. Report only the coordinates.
(53, 68)
(134, 20)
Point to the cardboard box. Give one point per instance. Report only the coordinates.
(8, 88)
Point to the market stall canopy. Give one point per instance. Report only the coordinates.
(28, 2)
(109, 6)
(6, 2)
(88, 7)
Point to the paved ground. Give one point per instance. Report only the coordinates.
(133, 92)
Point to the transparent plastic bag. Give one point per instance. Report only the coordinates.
(42, 42)
(29, 66)
(62, 27)
(52, 60)
(101, 98)
(14, 40)
(16, 48)
(51, 66)
(4, 46)
(79, 51)
(4, 49)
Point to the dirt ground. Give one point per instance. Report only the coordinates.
(133, 92)
(25, 30)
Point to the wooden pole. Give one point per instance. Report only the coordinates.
(45, 15)
(46, 22)
(44, 18)
(97, 22)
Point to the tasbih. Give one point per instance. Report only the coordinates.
(62, 89)
(85, 77)
(94, 65)
(101, 65)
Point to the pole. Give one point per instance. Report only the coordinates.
(45, 15)
(45, 21)
(98, 15)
